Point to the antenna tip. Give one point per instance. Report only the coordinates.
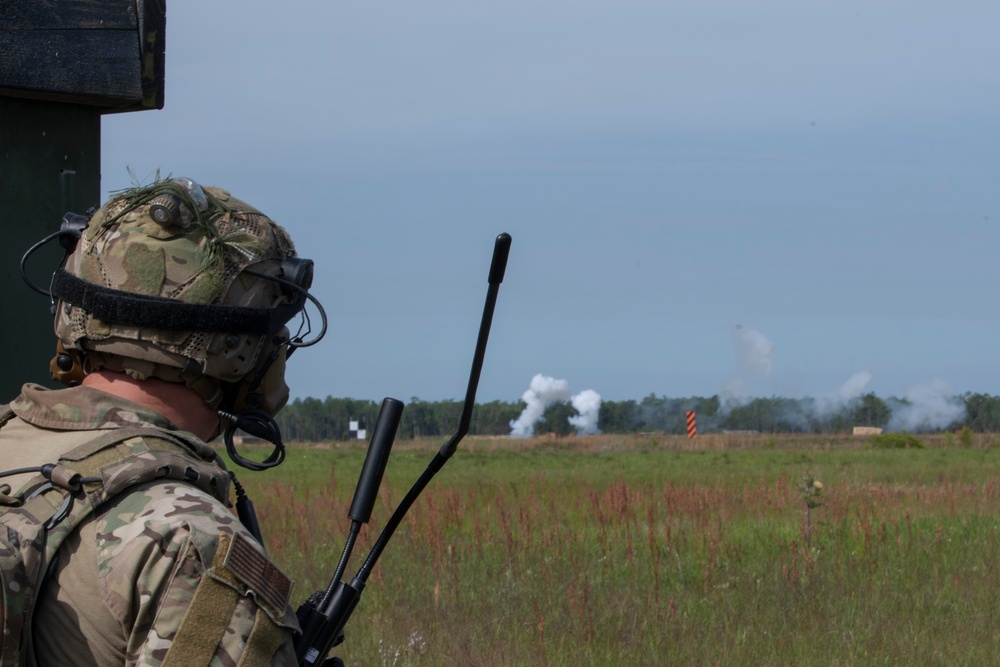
(501, 249)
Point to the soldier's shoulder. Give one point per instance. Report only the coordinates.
(165, 513)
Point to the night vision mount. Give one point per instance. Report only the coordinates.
(325, 614)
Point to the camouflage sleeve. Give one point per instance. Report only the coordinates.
(189, 585)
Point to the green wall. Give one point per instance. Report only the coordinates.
(50, 163)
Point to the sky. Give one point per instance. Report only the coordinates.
(729, 197)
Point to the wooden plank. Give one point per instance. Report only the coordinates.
(68, 15)
(107, 53)
(89, 64)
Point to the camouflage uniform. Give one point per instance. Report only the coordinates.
(165, 566)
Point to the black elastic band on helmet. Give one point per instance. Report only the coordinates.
(135, 310)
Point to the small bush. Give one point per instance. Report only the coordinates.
(896, 441)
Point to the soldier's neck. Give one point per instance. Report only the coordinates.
(182, 405)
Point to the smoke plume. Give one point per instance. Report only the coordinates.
(545, 390)
(848, 393)
(755, 357)
(754, 350)
(588, 405)
(542, 391)
(927, 406)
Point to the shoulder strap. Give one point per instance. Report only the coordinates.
(128, 456)
(185, 441)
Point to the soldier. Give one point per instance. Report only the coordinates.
(170, 313)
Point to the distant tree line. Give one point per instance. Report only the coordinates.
(314, 420)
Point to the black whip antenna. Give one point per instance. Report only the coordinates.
(323, 617)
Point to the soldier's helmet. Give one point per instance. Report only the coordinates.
(186, 284)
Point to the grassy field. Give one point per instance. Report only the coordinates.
(657, 550)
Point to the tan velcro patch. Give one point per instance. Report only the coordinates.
(204, 622)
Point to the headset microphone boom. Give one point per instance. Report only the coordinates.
(325, 614)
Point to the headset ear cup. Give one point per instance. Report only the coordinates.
(67, 366)
(264, 389)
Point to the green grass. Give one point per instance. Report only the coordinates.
(656, 550)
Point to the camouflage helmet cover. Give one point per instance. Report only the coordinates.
(198, 256)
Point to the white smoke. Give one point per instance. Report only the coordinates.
(588, 405)
(542, 391)
(755, 355)
(754, 350)
(849, 392)
(926, 407)
(929, 406)
(855, 386)
(545, 390)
